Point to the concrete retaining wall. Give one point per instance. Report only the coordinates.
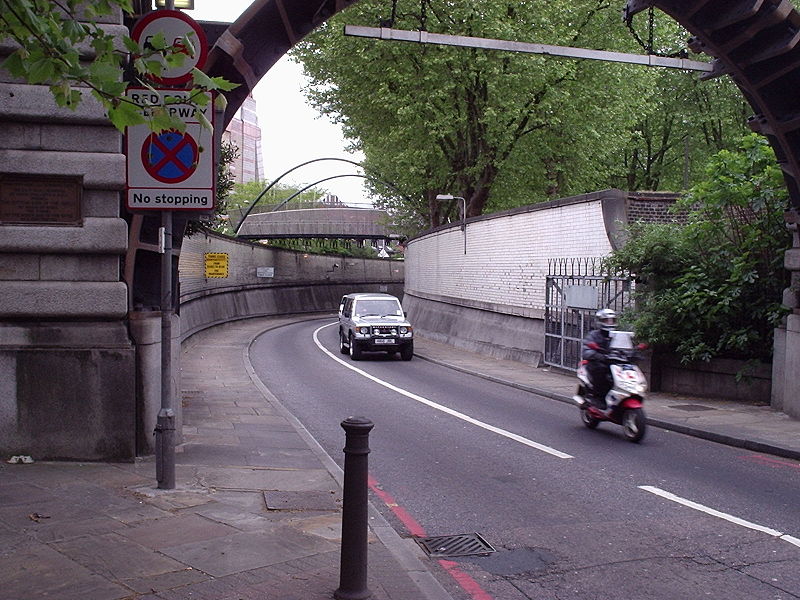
(268, 281)
(715, 379)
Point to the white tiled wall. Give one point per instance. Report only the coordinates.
(506, 258)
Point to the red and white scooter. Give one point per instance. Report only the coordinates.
(624, 401)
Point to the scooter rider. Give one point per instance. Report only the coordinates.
(596, 346)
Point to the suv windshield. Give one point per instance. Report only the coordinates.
(380, 308)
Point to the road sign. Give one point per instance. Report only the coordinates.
(170, 170)
(170, 156)
(175, 25)
(216, 264)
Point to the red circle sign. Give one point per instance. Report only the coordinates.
(174, 25)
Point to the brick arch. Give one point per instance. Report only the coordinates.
(756, 43)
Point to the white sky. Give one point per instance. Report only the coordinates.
(292, 132)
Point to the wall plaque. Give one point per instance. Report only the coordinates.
(40, 199)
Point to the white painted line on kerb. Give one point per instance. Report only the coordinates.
(444, 409)
(715, 513)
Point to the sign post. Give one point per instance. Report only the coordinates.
(168, 171)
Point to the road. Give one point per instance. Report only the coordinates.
(571, 513)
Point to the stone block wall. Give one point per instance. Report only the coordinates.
(66, 360)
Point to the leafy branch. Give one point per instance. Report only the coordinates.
(55, 40)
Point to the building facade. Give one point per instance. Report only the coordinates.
(244, 132)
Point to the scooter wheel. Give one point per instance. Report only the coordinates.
(588, 419)
(634, 424)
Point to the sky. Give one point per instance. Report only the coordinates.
(292, 132)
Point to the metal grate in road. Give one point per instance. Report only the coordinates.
(466, 544)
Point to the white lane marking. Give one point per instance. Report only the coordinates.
(716, 513)
(444, 409)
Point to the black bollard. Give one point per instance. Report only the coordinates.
(165, 449)
(353, 571)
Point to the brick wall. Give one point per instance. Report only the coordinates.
(653, 207)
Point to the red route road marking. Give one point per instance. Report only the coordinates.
(772, 462)
(467, 583)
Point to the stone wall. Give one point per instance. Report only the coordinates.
(66, 361)
(653, 207)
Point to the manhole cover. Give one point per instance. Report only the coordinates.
(465, 544)
(692, 407)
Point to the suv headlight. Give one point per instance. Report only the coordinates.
(404, 330)
(362, 330)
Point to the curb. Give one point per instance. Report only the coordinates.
(404, 551)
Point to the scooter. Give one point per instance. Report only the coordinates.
(624, 401)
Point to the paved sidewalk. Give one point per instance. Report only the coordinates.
(256, 512)
(256, 509)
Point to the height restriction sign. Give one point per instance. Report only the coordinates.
(170, 170)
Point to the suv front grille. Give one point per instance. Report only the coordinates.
(388, 330)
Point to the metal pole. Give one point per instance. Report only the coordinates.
(165, 429)
(464, 221)
(353, 572)
(425, 37)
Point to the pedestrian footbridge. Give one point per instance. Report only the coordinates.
(329, 223)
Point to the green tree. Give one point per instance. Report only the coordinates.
(686, 121)
(713, 287)
(62, 45)
(499, 129)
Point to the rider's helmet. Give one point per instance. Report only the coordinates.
(606, 319)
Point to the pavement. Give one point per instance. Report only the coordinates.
(256, 511)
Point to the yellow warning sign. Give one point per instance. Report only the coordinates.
(216, 264)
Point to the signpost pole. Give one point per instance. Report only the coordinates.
(165, 428)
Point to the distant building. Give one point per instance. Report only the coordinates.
(244, 133)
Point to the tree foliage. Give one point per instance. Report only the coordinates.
(61, 44)
(713, 287)
(498, 128)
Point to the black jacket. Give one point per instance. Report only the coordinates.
(602, 338)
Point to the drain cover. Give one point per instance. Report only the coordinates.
(692, 407)
(465, 544)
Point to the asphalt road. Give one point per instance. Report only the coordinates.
(572, 513)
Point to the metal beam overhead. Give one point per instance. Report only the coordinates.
(425, 37)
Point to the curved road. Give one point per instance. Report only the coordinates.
(572, 513)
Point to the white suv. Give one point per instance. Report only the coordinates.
(374, 323)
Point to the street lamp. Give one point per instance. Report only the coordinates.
(442, 197)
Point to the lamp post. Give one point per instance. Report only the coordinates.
(442, 197)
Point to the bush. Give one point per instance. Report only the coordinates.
(713, 288)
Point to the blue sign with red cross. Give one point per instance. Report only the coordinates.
(170, 156)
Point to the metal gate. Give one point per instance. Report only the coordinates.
(576, 288)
